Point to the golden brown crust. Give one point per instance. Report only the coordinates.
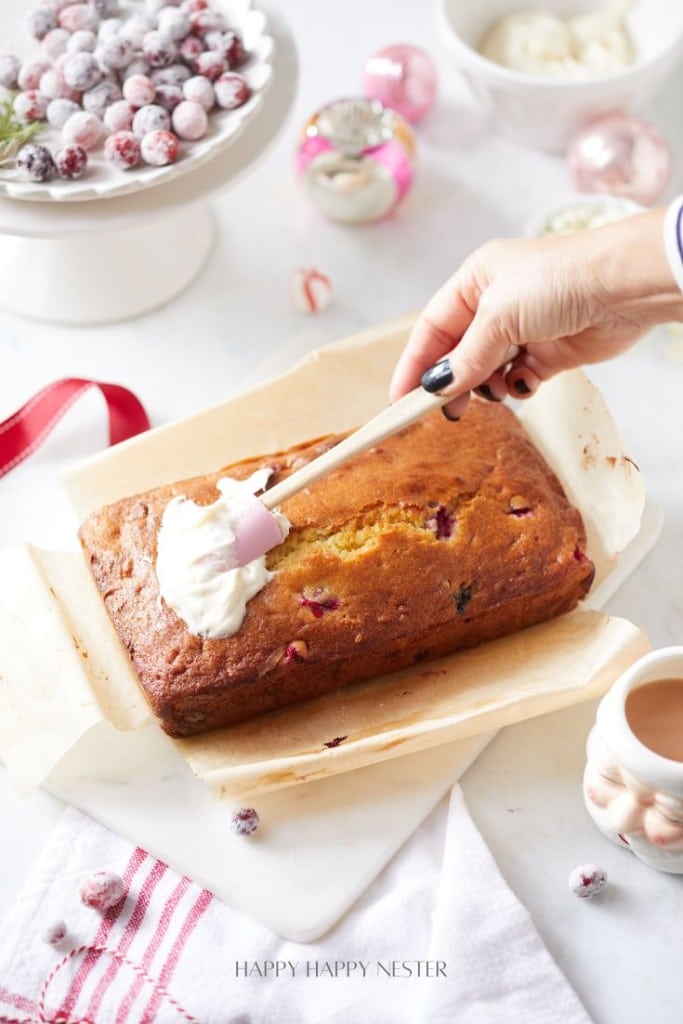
(443, 536)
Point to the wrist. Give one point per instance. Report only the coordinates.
(633, 265)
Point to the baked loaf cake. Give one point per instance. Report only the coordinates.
(443, 536)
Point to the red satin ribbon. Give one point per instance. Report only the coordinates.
(23, 432)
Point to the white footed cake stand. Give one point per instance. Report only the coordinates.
(102, 260)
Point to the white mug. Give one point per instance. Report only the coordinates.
(634, 794)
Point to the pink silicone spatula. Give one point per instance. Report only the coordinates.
(257, 531)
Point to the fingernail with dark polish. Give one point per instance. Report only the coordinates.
(521, 387)
(453, 419)
(485, 391)
(437, 377)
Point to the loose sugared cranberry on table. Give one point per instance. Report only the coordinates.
(34, 162)
(70, 161)
(159, 148)
(245, 821)
(54, 933)
(231, 90)
(102, 891)
(122, 149)
(587, 880)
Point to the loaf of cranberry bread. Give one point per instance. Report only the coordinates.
(444, 536)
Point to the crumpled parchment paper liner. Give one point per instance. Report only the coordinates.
(51, 616)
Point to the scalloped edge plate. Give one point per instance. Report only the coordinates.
(103, 180)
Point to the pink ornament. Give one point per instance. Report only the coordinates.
(621, 155)
(310, 291)
(402, 77)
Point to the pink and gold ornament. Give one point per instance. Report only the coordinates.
(622, 155)
(355, 160)
(402, 77)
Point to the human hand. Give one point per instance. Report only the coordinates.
(519, 311)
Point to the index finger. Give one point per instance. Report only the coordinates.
(438, 330)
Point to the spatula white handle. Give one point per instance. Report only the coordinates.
(401, 414)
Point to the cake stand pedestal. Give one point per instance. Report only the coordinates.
(102, 260)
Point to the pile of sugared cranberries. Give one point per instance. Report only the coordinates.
(111, 75)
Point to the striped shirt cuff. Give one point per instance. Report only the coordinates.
(673, 239)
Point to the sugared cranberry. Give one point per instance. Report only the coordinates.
(233, 49)
(245, 821)
(55, 43)
(122, 149)
(109, 28)
(152, 118)
(190, 48)
(114, 53)
(30, 106)
(59, 111)
(231, 90)
(83, 41)
(105, 8)
(139, 90)
(97, 99)
(78, 16)
(102, 891)
(211, 64)
(119, 116)
(587, 880)
(71, 161)
(199, 89)
(176, 74)
(174, 23)
(169, 97)
(30, 74)
(136, 28)
(159, 148)
(9, 70)
(34, 162)
(189, 121)
(81, 71)
(159, 50)
(205, 21)
(54, 933)
(192, 6)
(83, 129)
(40, 22)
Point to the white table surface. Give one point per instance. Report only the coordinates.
(235, 325)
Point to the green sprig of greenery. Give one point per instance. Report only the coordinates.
(13, 133)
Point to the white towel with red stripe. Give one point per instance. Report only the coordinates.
(172, 953)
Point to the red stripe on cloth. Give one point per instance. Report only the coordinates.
(156, 940)
(137, 858)
(24, 431)
(131, 930)
(17, 1001)
(189, 924)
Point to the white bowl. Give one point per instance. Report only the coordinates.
(546, 112)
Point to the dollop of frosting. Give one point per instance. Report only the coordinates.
(196, 564)
(583, 47)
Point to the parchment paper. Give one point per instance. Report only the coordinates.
(51, 609)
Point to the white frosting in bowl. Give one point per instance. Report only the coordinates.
(540, 43)
(196, 563)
